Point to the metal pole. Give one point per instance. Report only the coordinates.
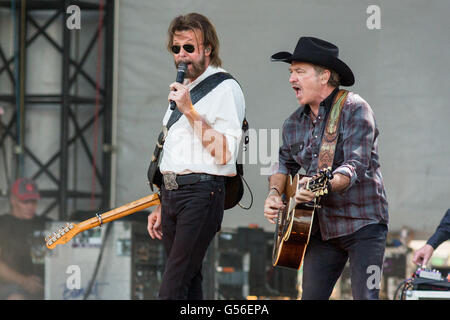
(107, 100)
(63, 165)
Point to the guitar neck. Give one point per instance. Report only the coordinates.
(120, 212)
(66, 233)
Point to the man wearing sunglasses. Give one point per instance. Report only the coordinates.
(199, 151)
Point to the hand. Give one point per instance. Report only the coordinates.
(181, 96)
(303, 195)
(154, 223)
(272, 206)
(32, 284)
(422, 255)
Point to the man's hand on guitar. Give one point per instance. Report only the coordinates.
(302, 195)
(154, 224)
(272, 206)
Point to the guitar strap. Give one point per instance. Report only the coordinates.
(197, 93)
(330, 136)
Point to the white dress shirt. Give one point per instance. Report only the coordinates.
(224, 110)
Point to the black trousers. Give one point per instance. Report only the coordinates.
(190, 217)
(325, 260)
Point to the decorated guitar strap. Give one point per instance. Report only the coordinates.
(330, 136)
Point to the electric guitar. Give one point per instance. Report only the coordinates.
(294, 223)
(70, 230)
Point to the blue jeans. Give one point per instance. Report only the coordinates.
(325, 260)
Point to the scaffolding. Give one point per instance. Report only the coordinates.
(25, 16)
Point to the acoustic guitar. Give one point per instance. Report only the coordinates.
(294, 223)
(70, 230)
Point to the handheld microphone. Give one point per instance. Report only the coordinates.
(180, 78)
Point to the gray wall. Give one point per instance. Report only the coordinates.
(401, 69)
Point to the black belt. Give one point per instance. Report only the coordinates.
(189, 178)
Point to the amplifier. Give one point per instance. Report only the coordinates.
(130, 268)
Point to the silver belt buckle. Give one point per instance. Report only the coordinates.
(170, 182)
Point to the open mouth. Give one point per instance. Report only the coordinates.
(297, 90)
(189, 66)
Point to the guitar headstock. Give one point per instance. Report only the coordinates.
(319, 182)
(63, 235)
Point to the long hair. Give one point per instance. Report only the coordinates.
(195, 21)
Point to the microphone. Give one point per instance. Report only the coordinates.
(180, 78)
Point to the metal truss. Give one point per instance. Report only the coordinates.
(64, 102)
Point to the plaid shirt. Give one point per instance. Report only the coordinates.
(364, 200)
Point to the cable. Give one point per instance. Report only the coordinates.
(406, 284)
(398, 288)
(16, 76)
(246, 140)
(22, 85)
(94, 155)
(99, 260)
(251, 195)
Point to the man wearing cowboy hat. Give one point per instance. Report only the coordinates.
(351, 223)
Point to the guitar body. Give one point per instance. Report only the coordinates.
(294, 223)
(291, 246)
(292, 230)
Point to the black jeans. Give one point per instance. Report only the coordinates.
(190, 217)
(325, 260)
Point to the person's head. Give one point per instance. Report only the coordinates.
(311, 82)
(24, 196)
(315, 69)
(192, 39)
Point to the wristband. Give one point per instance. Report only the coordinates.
(273, 188)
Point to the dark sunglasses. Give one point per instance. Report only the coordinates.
(189, 48)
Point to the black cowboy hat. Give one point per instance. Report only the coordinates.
(320, 52)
